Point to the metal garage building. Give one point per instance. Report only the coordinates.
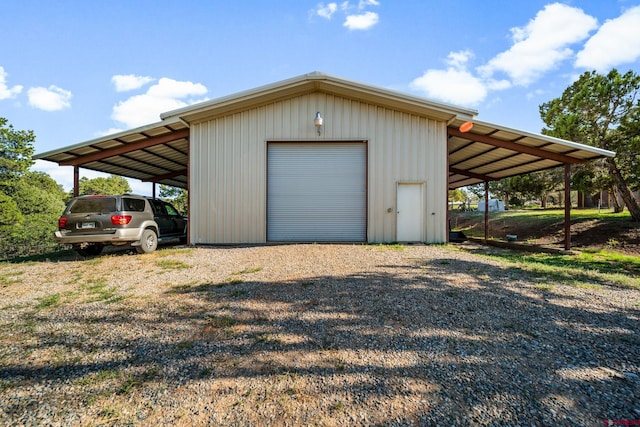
(320, 158)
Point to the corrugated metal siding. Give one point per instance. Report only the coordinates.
(228, 164)
(316, 192)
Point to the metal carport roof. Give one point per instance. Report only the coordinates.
(158, 152)
(490, 152)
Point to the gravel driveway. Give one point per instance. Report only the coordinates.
(311, 335)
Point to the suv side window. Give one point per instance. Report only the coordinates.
(171, 210)
(133, 205)
(158, 207)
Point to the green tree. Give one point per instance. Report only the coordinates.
(16, 150)
(10, 214)
(30, 202)
(592, 178)
(602, 111)
(542, 183)
(178, 197)
(503, 189)
(110, 185)
(457, 195)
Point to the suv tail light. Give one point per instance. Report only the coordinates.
(120, 219)
(62, 222)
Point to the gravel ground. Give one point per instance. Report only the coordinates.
(312, 335)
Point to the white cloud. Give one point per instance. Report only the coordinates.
(542, 44)
(361, 22)
(128, 82)
(52, 98)
(7, 92)
(616, 42)
(362, 4)
(169, 88)
(355, 17)
(537, 48)
(451, 85)
(456, 84)
(458, 60)
(327, 11)
(167, 94)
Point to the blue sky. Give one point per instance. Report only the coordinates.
(76, 70)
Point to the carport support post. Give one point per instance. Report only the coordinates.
(486, 210)
(567, 207)
(76, 181)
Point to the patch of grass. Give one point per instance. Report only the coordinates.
(49, 301)
(338, 406)
(267, 338)
(94, 261)
(383, 247)
(173, 252)
(233, 281)
(7, 279)
(99, 291)
(544, 287)
(247, 271)
(586, 269)
(128, 385)
(172, 264)
(98, 378)
(111, 413)
(221, 321)
(181, 287)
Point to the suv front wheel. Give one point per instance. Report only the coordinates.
(148, 242)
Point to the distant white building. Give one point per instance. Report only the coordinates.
(495, 205)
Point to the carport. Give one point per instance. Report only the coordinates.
(160, 152)
(490, 152)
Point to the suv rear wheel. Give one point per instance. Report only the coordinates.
(148, 242)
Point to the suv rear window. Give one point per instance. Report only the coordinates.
(102, 204)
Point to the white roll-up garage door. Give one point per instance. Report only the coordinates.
(316, 192)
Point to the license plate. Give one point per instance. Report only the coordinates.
(88, 225)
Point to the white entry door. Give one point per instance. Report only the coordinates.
(409, 213)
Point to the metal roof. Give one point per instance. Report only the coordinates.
(159, 152)
(490, 152)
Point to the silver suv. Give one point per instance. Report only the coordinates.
(89, 223)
